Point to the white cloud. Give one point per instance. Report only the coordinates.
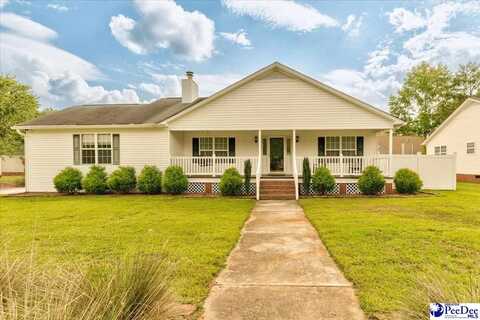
(56, 76)
(166, 25)
(405, 20)
(352, 25)
(26, 27)
(57, 7)
(387, 65)
(239, 37)
(3, 3)
(286, 14)
(169, 85)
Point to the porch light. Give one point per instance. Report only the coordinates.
(256, 139)
(297, 138)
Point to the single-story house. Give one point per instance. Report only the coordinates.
(275, 117)
(459, 134)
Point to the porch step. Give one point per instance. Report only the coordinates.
(277, 189)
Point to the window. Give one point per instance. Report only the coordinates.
(96, 148)
(88, 149)
(349, 147)
(221, 147)
(471, 147)
(104, 145)
(208, 146)
(332, 146)
(440, 150)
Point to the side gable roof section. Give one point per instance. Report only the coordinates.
(291, 72)
(465, 103)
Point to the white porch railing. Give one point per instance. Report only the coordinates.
(212, 166)
(348, 166)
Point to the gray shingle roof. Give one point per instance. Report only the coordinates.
(111, 114)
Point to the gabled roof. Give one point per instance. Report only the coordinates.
(276, 66)
(467, 101)
(112, 114)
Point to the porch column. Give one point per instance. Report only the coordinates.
(259, 165)
(294, 156)
(390, 152)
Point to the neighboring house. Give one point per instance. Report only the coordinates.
(460, 134)
(401, 144)
(275, 117)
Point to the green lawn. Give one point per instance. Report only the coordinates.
(196, 233)
(384, 244)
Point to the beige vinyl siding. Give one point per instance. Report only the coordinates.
(461, 129)
(279, 102)
(49, 151)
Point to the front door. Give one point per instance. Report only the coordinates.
(276, 155)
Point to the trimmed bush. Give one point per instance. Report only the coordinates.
(174, 180)
(307, 175)
(371, 181)
(69, 180)
(150, 180)
(323, 181)
(95, 181)
(407, 181)
(247, 173)
(231, 182)
(122, 180)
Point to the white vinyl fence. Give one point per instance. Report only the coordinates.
(11, 164)
(436, 172)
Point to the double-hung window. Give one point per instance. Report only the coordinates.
(334, 146)
(206, 146)
(221, 147)
(440, 150)
(209, 146)
(349, 147)
(91, 148)
(470, 147)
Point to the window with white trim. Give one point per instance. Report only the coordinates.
(332, 146)
(221, 146)
(349, 146)
(92, 148)
(205, 146)
(104, 147)
(440, 150)
(470, 147)
(88, 148)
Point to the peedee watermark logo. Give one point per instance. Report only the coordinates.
(454, 311)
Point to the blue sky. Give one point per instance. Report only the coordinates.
(79, 52)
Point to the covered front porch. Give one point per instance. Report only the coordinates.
(277, 153)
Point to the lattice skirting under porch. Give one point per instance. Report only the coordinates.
(214, 188)
(350, 188)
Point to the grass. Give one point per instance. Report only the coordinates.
(18, 181)
(384, 245)
(195, 233)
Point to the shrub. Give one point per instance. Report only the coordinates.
(174, 180)
(323, 181)
(307, 175)
(95, 181)
(371, 181)
(231, 182)
(150, 180)
(247, 173)
(122, 180)
(407, 181)
(69, 180)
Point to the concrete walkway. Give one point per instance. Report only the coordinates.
(281, 270)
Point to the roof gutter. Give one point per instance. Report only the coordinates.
(89, 126)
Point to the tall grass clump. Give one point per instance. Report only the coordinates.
(133, 288)
(438, 287)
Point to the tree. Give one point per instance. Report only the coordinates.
(430, 94)
(17, 104)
